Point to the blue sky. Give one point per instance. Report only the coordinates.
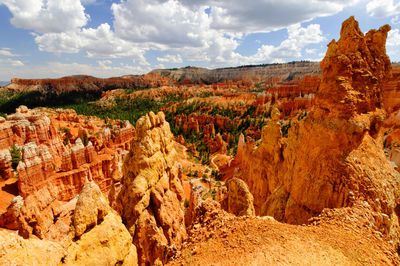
(103, 38)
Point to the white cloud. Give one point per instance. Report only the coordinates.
(287, 50)
(7, 52)
(182, 28)
(46, 16)
(311, 51)
(264, 16)
(159, 66)
(395, 20)
(11, 62)
(393, 45)
(165, 24)
(98, 43)
(169, 58)
(383, 8)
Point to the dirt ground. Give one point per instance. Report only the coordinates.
(223, 239)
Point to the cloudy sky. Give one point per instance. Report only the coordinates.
(54, 38)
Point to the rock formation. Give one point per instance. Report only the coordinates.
(93, 233)
(151, 199)
(47, 157)
(239, 200)
(15, 250)
(334, 157)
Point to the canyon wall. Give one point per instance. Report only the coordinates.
(272, 73)
(85, 83)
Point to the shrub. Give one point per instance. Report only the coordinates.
(186, 203)
(85, 139)
(205, 178)
(16, 156)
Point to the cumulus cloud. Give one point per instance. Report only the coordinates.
(169, 58)
(207, 31)
(311, 51)
(395, 20)
(11, 62)
(7, 52)
(383, 8)
(98, 43)
(263, 16)
(393, 45)
(292, 47)
(166, 24)
(44, 16)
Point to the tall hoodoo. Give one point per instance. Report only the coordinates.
(151, 199)
(353, 71)
(334, 157)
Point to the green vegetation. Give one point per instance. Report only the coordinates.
(205, 178)
(132, 109)
(85, 139)
(285, 128)
(9, 101)
(259, 87)
(291, 76)
(216, 175)
(16, 156)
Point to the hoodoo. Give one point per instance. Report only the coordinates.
(151, 199)
(334, 157)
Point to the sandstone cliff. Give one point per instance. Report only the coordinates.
(273, 73)
(84, 84)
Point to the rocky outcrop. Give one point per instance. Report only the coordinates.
(88, 232)
(14, 250)
(334, 157)
(239, 200)
(262, 167)
(151, 199)
(102, 237)
(91, 208)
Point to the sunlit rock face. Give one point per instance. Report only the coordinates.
(151, 198)
(334, 157)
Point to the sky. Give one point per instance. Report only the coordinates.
(104, 38)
